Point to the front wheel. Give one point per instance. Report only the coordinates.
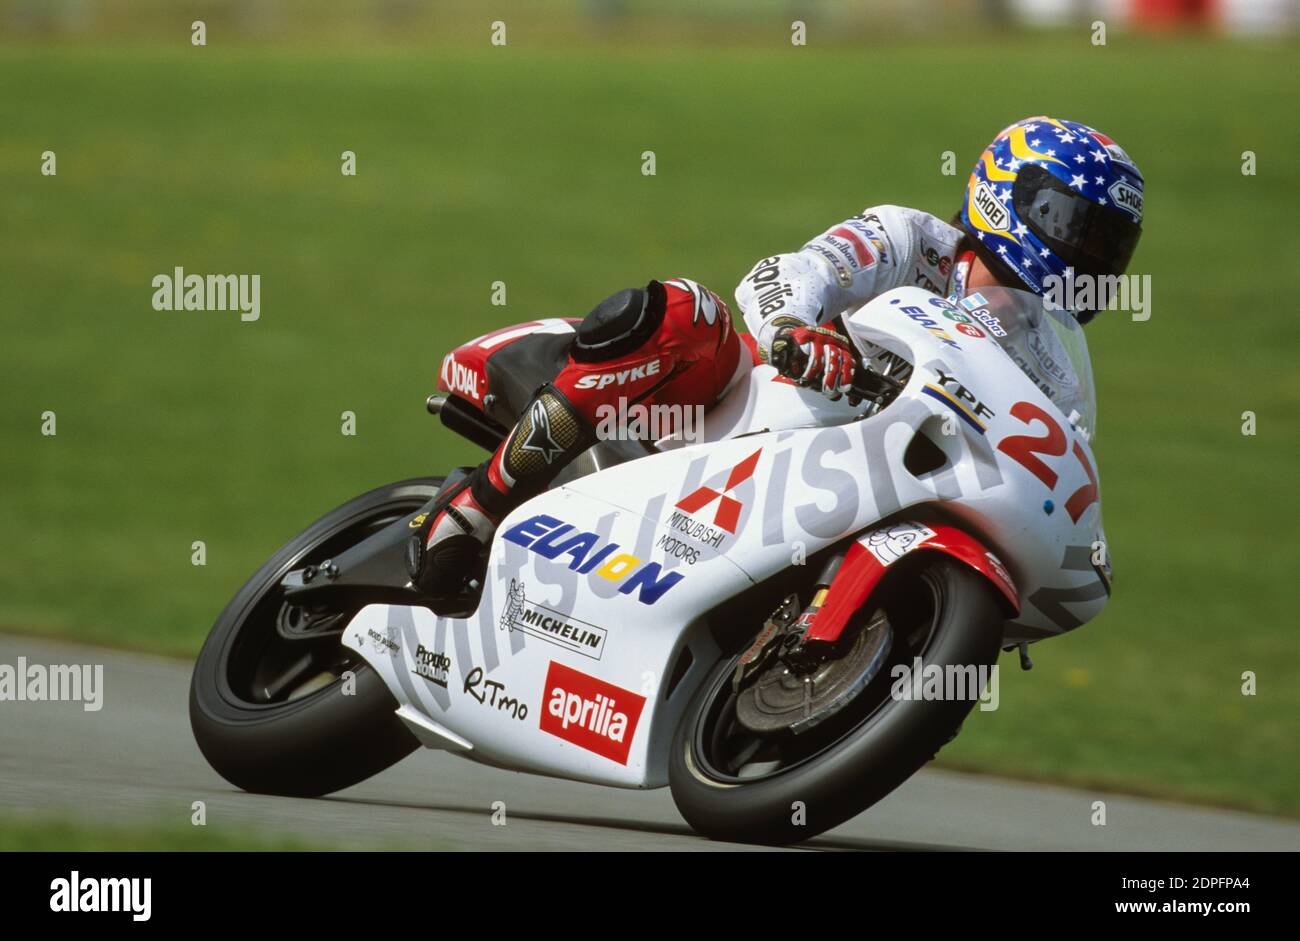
(732, 783)
(269, 705)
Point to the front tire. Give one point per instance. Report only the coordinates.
(269, 713)
(731, 784)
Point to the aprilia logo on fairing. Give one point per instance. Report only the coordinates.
(542, 534)
(590, 713)
(460, 379)
(621, 377)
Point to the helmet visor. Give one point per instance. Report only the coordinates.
(1091, 238)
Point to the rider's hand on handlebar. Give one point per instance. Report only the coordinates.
(814, 356)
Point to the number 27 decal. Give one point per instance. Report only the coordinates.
(1025, 451)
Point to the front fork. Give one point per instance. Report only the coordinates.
(785, 633)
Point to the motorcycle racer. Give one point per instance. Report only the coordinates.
(1045, 196)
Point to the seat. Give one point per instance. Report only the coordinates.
(520, 368)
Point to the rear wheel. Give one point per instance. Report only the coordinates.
(267, 702)
(733, 783)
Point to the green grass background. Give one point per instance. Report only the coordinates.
(50, 834)
(522, 164)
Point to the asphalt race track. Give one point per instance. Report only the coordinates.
(135, 762)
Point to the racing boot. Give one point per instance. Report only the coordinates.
(449, 553)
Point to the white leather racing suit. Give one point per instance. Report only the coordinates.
(879, 249)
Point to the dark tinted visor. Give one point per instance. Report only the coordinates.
(1093, 239)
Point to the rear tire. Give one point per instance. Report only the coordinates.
(309, 739)
(865, 754)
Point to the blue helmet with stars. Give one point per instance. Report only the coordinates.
(1048, 195)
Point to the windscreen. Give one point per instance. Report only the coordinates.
(1047, 344)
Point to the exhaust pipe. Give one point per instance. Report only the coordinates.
(467, 421)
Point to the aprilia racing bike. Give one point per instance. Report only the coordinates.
(728, 616)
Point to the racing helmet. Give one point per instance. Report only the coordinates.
(1051, 195)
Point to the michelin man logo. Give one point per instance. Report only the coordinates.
(893, 542)
(514, 606)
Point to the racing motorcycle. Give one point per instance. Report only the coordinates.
(729, 615)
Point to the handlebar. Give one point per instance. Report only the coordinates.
(789, 360)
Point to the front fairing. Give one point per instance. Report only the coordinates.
(1020, 472)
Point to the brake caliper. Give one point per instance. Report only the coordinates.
(769, 639)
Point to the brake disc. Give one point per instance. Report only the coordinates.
(781, 699)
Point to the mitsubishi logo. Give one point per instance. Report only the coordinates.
(728, 512)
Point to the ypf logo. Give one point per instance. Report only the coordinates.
(727, 516)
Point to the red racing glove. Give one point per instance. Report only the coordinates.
(824, 355)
